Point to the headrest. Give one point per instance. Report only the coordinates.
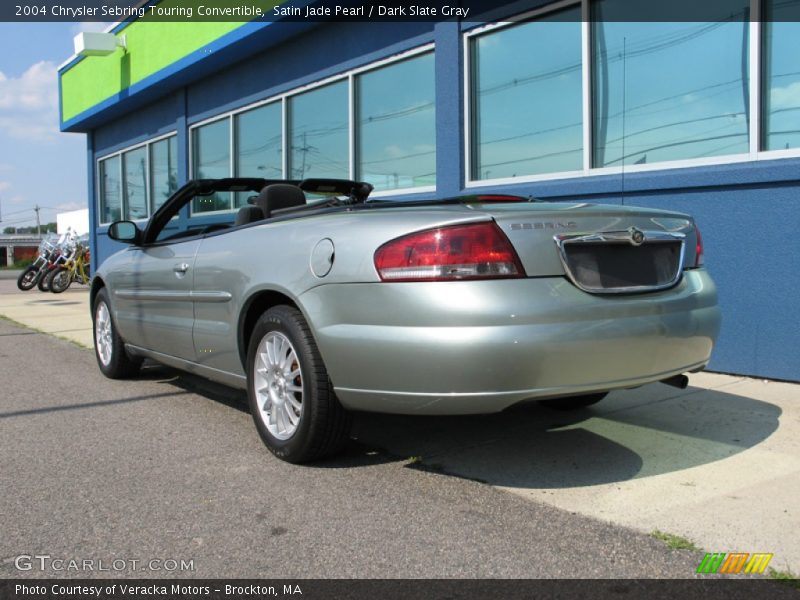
(248, 214)
(279, 195)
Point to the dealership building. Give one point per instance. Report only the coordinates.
(569, 101)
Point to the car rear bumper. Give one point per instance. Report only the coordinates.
(481, 346)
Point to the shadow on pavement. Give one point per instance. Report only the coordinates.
(624, 437)
(631, 434)
(355, 453)
(85, 405)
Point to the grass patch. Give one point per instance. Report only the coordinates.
(675, 542)
(18, 324)
(785, 578)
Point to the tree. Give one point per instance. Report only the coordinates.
(8, 230)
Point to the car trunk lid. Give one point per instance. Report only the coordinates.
(600, 248)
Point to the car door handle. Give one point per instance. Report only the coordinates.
(181, 268)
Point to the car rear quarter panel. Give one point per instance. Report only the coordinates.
(479, 346)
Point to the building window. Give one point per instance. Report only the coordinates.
(259, 143)
(781, 99)
(133, 183)
(526, 98)
(110, 190)
(669, 91)
(211, 159)
(163, 171)
(388, 113)
(318, 132)
(395, 126)
(134, 171)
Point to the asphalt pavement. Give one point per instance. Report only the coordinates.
(170, 467)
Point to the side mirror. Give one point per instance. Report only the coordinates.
(125, 231)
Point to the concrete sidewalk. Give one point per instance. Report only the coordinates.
(64, 315)
(717, 463)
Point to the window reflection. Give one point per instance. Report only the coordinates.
(110, 190)
(669, 91)
(163, 171)
(318, 133)
(527, 98)
(258, 145)
(395, 129)
(135, 172)
(781, 75)
(211, 159)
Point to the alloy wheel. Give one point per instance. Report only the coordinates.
(103, 333)
(278, 385)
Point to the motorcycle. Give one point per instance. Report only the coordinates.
(31, 275)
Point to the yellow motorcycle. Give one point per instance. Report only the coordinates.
(76, 268)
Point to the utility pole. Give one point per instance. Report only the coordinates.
(305, 150)
(38, 223)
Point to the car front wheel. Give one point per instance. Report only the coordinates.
(109, 348)
(291, 397)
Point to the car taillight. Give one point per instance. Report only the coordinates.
(476, 251)
(699, 261)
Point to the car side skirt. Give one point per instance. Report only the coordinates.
(230, 379)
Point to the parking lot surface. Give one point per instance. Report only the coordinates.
(169, 466)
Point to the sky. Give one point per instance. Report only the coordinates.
(38, 164)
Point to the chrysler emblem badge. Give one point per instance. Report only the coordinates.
(637, 236)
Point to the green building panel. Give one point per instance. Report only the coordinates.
(152, 45)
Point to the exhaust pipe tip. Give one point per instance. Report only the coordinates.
(678, 381)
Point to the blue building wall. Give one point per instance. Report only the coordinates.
(749, 213)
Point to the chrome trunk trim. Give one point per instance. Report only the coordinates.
(632, 236)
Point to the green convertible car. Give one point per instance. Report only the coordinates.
(320, 301)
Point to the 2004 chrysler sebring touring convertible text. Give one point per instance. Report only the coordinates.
(319, 302)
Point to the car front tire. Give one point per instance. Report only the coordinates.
(289, 392)
(109, 348)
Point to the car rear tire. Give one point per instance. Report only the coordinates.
(289, 392)
(27, 279)
(574, 402)
(109, 348)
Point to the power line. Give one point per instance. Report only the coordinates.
(16, 212)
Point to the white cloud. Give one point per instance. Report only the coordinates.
(29, 103)
(35, 89)
(785, 97)
(393, 151)
(4, 185)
